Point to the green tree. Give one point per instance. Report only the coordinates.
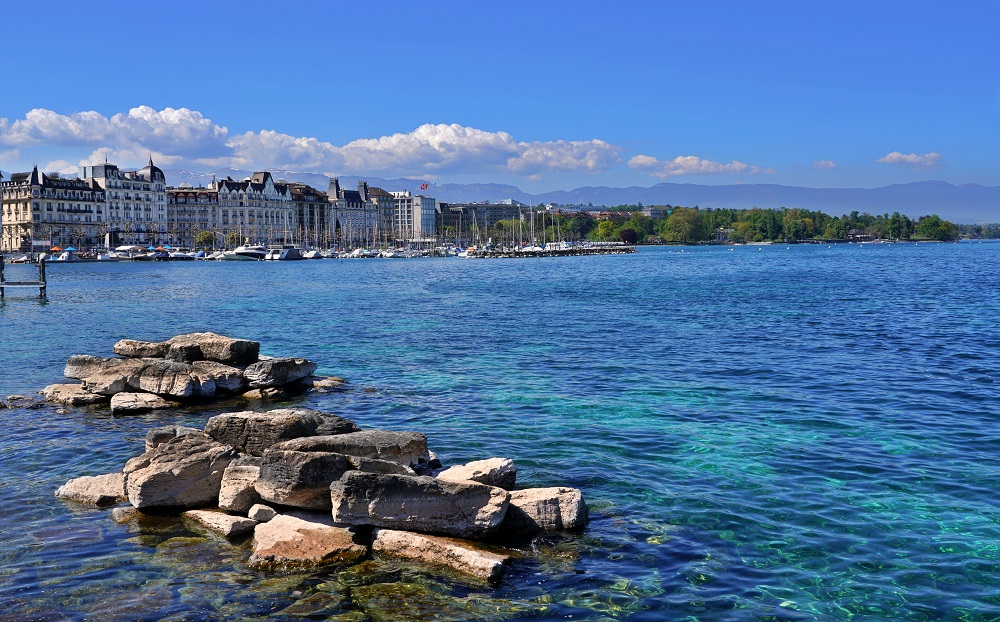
(934, 228)
(204, 239)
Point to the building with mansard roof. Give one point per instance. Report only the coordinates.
(136, 203)
(256, 210)
(362, 217)
(39, 211)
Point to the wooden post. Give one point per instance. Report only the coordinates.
(1, 275)
(41, 277)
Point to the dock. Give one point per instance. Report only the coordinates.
(573, 251)
(40, 283)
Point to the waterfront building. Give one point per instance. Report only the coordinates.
(385, 207)
(414, 217)
(40, 211)
(190, 211)
(313, 216)
(355, 215)
(136, 208)
(256, 209)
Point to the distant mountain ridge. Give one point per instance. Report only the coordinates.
(967, 203)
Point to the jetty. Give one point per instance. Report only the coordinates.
(597, 248)
(40, 283)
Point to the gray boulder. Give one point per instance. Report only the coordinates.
(461, 555)
(224, 524)
(175, 380)
(110, 376)
(22, 401)
(424, 504)
(237, 492)
(71, 395)
(545, 509)
(79, 366)
(212, 347)
(133, 403)
(185, 472)
(133, 348)
(261, 513)
(277, 372)
(94, 489)
(405, 448)
(288, 542)
(300, 478)
(499, 472)
(227, 379)
(162, 434)
(253, 432)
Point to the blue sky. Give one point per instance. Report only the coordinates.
(542, 95)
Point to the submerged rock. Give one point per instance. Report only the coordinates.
(286, 541)
(183, 472)
(22, 401)
(425, 504)
(94, 489)
(461, 555)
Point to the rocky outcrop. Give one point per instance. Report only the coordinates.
(424, 504)
(165, 433)
(227, 379)
(499, 472)
(193, 347)
(133, 348)
(237, 493)
(300, 478)
(224, 524)
(173, 379)
(94, 489)
(253, 432)
(461, 555)
(290, 542)
(405, 448)
(72, 395)
(184, 472)
(276, 372)
(545, 509)
(22, 401)
(134, 403)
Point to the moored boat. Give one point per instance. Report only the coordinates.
(282, 253)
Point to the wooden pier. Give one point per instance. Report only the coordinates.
(40, 283)
(517, 253)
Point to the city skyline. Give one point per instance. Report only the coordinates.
(542, 97)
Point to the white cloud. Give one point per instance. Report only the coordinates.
(184, 137)
(825, 165)
(692, 165)
(912, 160)
(60, 166)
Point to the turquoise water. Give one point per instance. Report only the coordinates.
(763, 433)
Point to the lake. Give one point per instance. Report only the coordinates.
(803, 432)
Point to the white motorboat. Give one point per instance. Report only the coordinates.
(246, 252)
(282, 253)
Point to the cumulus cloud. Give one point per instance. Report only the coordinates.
(60, 166)
(912, 160)
(184, 137)
(825, 165)
(692, 165)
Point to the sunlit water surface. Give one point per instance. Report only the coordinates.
(786, 433)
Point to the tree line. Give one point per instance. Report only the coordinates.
(685, 225)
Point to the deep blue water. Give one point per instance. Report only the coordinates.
(762, 433)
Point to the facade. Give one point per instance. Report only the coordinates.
(40, 211)
(414, 217)
(255, 209)
(136, 203)
(313, 216)
(189, 212)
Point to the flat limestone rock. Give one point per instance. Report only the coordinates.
(174, 379)
(290, 542)
(545, 509)
(300, 478)
(237, 492)
(261, 513)
(424, 504)
(184, 472)
(277, 372)
(253, 432)
(212, 347)
(166, 433)
(405, 448)
(227, 379)
(132, 403)
(72, 395)
(499, 472)
(79, 366)
(110, 376)
(460, 555)
(324, 384)
(133, 348)
(94, 489)
(224, 524)
(22, 401)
